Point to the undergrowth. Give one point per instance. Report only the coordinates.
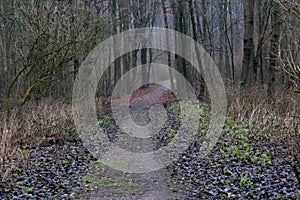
(273, 122)
(30, 125)
(264, 122)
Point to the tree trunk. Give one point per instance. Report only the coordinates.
(117, 67)
(165, 15)
(194, 28)
(276, 25)
(247, 70)
(204, 28)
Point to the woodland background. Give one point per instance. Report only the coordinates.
(254, 43)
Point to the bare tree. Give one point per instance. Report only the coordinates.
(276, 29)
(248, 72)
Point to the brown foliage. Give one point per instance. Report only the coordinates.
(32, 125)
(271, 122)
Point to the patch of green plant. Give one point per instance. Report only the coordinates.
(113, 184)
(64, 162)
(192, 109)
(19, 183)
(105, 119)
(29, 190)
(237, 144)
(24, 153)
(261, 158)
(224, 182)
(73, 151)
(189, 111)
(171, 132)
(111, 181)
(244, 181)
(224, 154)
(260, 175)
(265, 159)
(226, 170)
(237, 151)
(255, 159)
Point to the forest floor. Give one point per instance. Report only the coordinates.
(238, 167)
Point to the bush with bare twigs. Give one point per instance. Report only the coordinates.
(30, 125)
(275, 123)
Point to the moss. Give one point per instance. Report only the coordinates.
(112, 181)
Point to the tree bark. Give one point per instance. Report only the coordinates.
(276, 25)
(248, 73)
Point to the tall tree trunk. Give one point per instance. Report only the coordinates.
(117, 67)
(144, 67)
(194, 29)
(248, 73)
(223, 53)
(231, 44)
(204, 28)
(178, 25)
(263, 11)
(276, 25)
(168, 43)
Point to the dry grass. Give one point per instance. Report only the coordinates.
(28, 126)
(275, 122)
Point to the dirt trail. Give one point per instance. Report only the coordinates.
(107, 183)
(112, 184)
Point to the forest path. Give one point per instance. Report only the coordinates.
(107, 183)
